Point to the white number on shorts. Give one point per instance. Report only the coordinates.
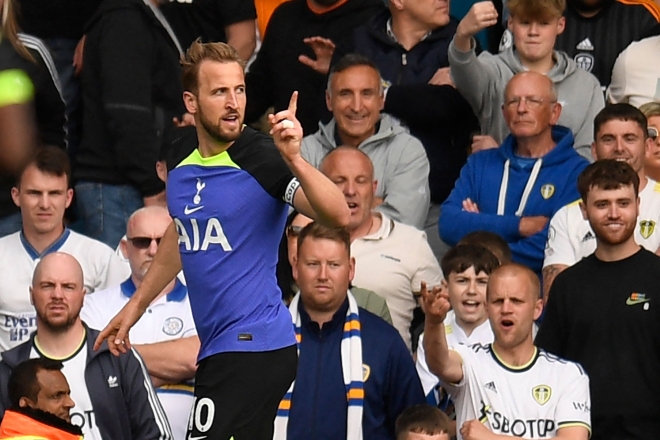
(196, 414)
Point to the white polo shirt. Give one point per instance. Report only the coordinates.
(393, 262)
(168, 318)
(483, 334)
(101, 268)
(530, 401)
(570, 237)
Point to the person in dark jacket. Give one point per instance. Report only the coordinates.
(409, 45)
(298, 33)
(116, 399)
(355, 374)
(131, 93)
(30, 55)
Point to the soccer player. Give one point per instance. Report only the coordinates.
(621, 134)
(229, 203)
(509, 387)
(603, 311)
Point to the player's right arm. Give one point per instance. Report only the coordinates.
(444, 363)
(166, 266)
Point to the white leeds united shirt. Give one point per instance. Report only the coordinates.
(101, 268)
(455, 335)
(570, 237)
(170, 317)
(530, 401)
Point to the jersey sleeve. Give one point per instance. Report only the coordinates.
(558, 249)
(428, 379)
(574, 406)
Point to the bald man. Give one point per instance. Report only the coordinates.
(392, 259)
(509, 387)
(165, 336)
(515, 189)
(113, 396)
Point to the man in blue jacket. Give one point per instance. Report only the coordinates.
(113, 395)
(355, 375)
(515, 189)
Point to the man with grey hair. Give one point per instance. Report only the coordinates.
(113, 396)
(355, 98)
(515, 189)
(165, 336)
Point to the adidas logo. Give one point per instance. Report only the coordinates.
(491, 386)
(112, 382)
(588, 236)
(585, 45)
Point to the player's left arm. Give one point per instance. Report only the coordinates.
(320, 198)
(171, 361)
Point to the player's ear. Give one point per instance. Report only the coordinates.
(583, 209)
(538, 308)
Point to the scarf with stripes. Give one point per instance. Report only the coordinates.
(351, 364)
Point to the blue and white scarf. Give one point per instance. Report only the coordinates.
(351, 364)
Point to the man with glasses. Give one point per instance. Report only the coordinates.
(165, 336)
(515, 190)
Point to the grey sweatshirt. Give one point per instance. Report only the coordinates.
(482, 80)
(400, 167)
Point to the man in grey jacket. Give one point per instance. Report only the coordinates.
(355, 98)
(535, 25)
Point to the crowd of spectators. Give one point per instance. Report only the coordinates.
(495, 277)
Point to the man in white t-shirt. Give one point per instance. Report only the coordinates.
(165, 335)
(392, 259)
(509, 387)
(113, 396)
(466, 269)
(43, 193)
(621, 133)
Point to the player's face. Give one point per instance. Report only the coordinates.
(529, 108)
(57, 296)
(621, 140)
(355, 100)
(323, 272)
(535, 39)
(353, 174)
(299, 222)
(431, 14)
(220, 102)
(652, 159)
(43, 198)
(467, 295)
(143, 235)
(612, 213)
(54, 394)
(512, 310)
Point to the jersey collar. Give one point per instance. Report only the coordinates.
(177, 294)
(57, 244)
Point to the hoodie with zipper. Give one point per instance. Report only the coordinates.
(400, 167)
(507, 187)
(483, 79)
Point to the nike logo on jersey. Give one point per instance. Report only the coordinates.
(585, 45)
(637, 298)
(188, 211)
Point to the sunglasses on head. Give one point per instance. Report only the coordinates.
(293, 231)
(143, 242)
(653, 132)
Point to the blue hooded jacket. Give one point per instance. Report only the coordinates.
(483, 180)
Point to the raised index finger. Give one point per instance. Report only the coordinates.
(293, 103)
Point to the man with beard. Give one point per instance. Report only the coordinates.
(229, 199)
(165, 336)
(601, 311)
(113, 396)
(620, 133)
(509, 387)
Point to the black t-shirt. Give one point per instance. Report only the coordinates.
(56, 18)
(606, 316)
(206, 18)
(595, 43)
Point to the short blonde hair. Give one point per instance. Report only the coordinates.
(650, 109)
(199, 52)
(536, 9)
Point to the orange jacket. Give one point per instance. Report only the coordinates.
(16, 425)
